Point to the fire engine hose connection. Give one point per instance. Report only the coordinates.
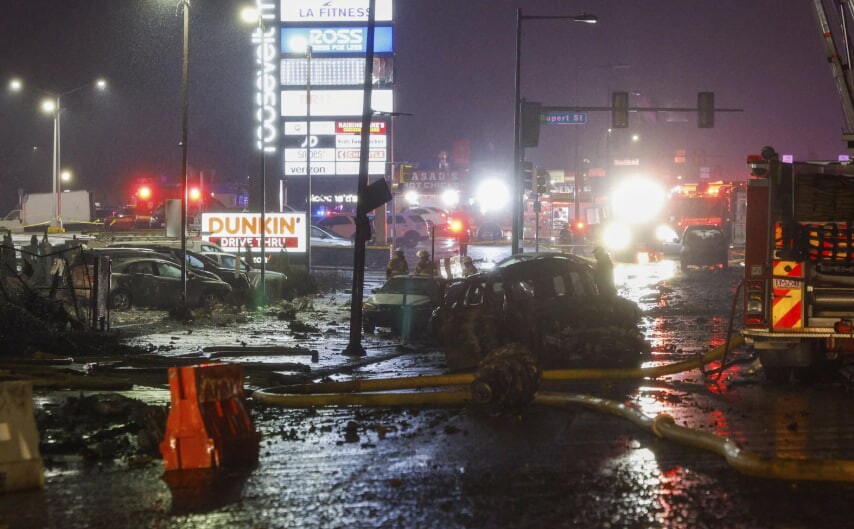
(498, 379)
(712, 355)
(663, 426)
(510, 379)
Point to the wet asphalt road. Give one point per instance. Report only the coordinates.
(449, 467)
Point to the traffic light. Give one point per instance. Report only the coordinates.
(619, 110)
(530, 119)
(542, 181)
(405, 173)
(705, 110)
(527, 176)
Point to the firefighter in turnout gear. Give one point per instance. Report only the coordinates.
(468, 267)
(397, 265)
(425, 265)
(603, 272)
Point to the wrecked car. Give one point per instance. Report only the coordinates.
(152, 282)
(404, 303)
(550, 304)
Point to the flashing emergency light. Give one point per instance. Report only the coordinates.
(455, 225)
(195, 193)
(144, 192)
(579, 225)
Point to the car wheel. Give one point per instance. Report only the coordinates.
(368, 326)
(120, 300)
(209, 299)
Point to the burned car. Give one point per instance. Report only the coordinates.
(548, 303)
(703, 245)
(404, 303)
(151, 282)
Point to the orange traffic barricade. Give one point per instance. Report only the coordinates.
(20, 462)
(208, 425)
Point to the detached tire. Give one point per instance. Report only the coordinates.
(120, 300)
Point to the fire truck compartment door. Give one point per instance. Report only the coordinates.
(787, 305)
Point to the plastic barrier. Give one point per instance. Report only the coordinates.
(208, 425)
(20, 463)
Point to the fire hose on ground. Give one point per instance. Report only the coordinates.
(511, 381)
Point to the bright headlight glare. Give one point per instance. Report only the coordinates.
(450, 198)
(616, 236)
(492, 195)
(665, 233)
(638, 200)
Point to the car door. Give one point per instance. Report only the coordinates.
(143, 284)
(169, 286)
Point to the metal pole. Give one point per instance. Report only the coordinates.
(57, 212)
(363, 229)
(263, 297)
(576, 196)
(185, 76)
(393, 195)
(308, 155)
(516, 186)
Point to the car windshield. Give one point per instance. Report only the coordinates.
(703, 233)
(228, 262)
(409, 285)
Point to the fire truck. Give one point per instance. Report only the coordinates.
(799, 264)
(711, 203)
(798, 304)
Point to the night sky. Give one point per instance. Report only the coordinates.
(454, 68)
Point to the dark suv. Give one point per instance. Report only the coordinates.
(549, 303)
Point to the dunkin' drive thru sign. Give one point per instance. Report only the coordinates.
(232, 231)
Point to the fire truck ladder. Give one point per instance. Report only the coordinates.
(842, 74)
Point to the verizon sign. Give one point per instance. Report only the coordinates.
(334, 10)
(335, 148)
(234, 231)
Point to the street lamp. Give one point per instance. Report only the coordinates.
(184, 6)
(252, 16)
(518, 150)
(53, 107)
(65, 176)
